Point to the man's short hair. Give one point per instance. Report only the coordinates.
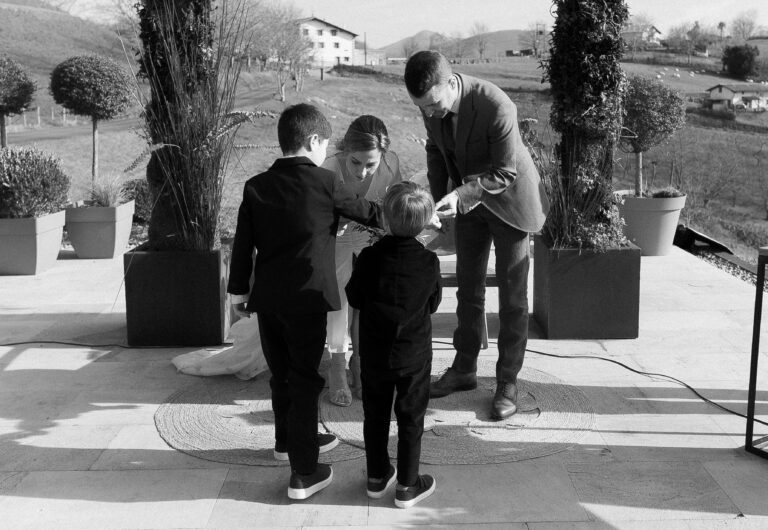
(424, 70)
(297, 123)
(408, 208)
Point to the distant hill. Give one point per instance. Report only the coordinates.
(497, 43)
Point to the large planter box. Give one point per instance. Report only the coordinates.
(98, 232)
(651, 222)
(586, 294)
(30, 245)
(176, 298)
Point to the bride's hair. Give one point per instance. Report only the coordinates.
(366, 133)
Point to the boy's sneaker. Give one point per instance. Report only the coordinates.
(304, 486)
(405, 497)
(325, 441)
(377, 489)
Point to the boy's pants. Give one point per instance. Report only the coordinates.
(293, 346)
(411, 400)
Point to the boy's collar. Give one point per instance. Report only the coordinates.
(288, 161)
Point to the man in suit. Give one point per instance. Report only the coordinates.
(474, 144)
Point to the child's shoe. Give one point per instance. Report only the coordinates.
(405, 497)
(324, 440)
(304, 486)
(378, 487)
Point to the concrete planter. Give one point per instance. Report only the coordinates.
(30, 245)
(586, 294)
(651, 222)
(176, 298)
(100, 231)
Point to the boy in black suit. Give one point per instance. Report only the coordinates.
(290, 214)
(396, 286)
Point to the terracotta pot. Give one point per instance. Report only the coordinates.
(651, 222)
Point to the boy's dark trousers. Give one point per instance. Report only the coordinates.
(293, 347)
(411, 400)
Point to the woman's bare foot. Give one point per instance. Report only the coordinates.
(338, 388)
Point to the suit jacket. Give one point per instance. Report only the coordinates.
(490, 163)
(396, 286)
(290, 215)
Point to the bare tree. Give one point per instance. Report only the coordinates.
(534, 38)
(480, 39)
(721, 29)
(289, 51)
(438, 42)
(458, 47)
(744, 25)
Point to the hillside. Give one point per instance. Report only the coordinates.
(497, 43)
(39, 38)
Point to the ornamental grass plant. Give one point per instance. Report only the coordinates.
(187, 58)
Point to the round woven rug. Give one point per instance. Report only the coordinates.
(227, 420)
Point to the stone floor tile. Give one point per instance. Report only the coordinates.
(532, 490)
(141, 447)
(9, 480)
(745, 482)
(259, 494)
(22, 406)
(97, 500)
(48, 447)
(649, 491)
(665, 437)
(113, 407)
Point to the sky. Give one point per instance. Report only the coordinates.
(384, 22)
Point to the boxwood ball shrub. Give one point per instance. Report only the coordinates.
(16, 91)
(32, 183)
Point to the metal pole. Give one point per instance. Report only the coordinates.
(762, 261)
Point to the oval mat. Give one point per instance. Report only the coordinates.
(227, 420)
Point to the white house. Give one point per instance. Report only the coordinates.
(641, 36)
(752, 96)
(330, 43)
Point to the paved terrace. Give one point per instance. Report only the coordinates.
(79, 448)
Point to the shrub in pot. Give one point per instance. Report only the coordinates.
(33, 192)
(175, 283)
(653, 112)
(586, 275)
(100, 226)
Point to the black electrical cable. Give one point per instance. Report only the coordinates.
(597, 357)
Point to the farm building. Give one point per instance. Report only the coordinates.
(641, 36)
(330, 43)
(748, 96)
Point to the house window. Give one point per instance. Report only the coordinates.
(305, 31)
(320, 32)
(321, 45)
(346, 59)
(333, 32)
(335, 44)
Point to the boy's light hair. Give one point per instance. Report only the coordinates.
(408, 208)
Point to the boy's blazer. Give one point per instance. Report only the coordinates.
(290, 214)
(489, 154)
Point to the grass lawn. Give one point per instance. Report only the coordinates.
(723, 171)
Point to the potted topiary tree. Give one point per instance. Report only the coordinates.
(175, 283)
(652, 114)
(91, 86)
(16, 91)
(586, 276)
(94, 86)
(33, 191)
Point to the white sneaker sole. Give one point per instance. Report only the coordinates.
(408, 504)
(301, 494)
(283, 457)
(380, 494)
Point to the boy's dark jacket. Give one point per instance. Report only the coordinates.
(290, 214)
(396, 286)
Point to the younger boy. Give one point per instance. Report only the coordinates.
(396, 287)
(290, 214)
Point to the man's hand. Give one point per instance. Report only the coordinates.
(434, 223)
(448, 206)
(240, 310)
